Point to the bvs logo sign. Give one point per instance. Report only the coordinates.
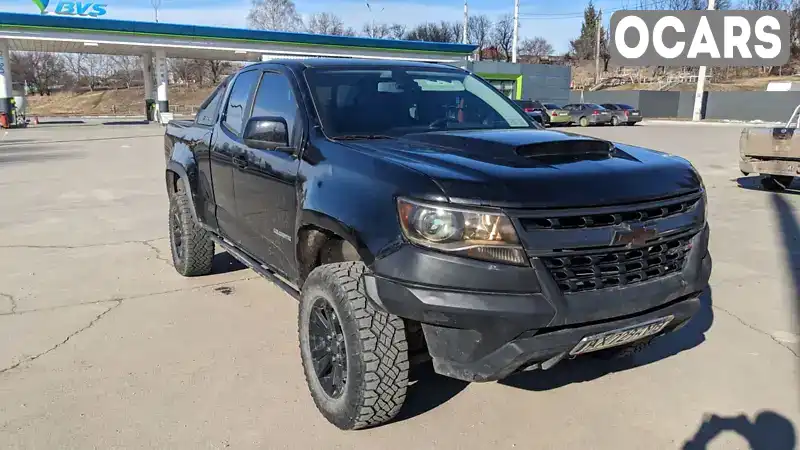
(69, 8)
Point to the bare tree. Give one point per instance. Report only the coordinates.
(479, 31)
(397, 31)
(328, 23)
(125, 69)
(90, 70)
(436, 32)
(40, 70)
(187, 71)
(503, 35)
(279, 15)
(216, 69)
(376, 30)
(537, 48)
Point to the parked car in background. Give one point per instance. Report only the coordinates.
(585, 114)
(556, 115)
(534, 109)
(623, 114)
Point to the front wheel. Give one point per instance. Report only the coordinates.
(584, 122)
(355, 357)
(191, 245)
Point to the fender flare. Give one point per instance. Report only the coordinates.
(331, 224)
(178, 169)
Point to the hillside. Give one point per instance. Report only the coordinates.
(122, 102)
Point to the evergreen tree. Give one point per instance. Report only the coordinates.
(584, 46)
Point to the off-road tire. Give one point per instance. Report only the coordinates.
(584, 122)
(198, 248)
(622, 352)
(614, 121)
(776, 182)
(376, 350)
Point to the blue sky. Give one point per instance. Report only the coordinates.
(557, 28)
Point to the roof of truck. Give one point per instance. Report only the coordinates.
(355, 62)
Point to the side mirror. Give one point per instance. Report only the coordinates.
(267, 133)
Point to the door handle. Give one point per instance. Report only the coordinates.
(239, 162)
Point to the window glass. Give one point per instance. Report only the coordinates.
(243, 87)
(275, 98)
(399, 101)
(207, 115)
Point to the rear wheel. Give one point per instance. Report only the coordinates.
(584, 122)
(776, 182)
(614, 121)
(355, 357)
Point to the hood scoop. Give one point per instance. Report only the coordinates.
(566, 148)
(523, 143)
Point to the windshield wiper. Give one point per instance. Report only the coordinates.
(354, 137)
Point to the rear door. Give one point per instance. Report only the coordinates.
(266, 194)
(228, 151)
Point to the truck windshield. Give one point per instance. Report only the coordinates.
(397, 101)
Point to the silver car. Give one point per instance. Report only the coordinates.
(585, 114)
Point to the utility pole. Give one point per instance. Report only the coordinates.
(597, 51)
(156, 5)
(701, 81)
(464, 38)
(515, 43)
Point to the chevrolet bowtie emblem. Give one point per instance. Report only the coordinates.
(635, 236)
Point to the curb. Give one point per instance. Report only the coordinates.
(712, 123)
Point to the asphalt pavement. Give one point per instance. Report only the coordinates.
(103, 345)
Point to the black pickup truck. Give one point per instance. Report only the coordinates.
(417, 214)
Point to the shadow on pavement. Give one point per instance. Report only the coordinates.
(223, 262)
(587, 368)
(26, 158)
(61, 122)
(769, 431)
(790, 238)
(753, 183)
(127, 122)
(428, 390)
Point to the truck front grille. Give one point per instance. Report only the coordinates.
(558, 222)
(579, 272)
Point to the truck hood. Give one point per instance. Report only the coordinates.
(537, 168)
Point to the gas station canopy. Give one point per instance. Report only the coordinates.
(65, 34)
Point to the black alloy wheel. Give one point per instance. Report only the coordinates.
(328, 349)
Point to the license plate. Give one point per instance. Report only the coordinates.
(620, 336)
(634, 114)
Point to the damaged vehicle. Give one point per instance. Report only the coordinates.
(419, 215)
(772, 153)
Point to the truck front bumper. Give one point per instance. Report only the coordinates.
(486, 335)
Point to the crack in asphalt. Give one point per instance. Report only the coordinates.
(73, 334)
(131, 297)
(757, 330)
(117, 302)
(12, 300)
(74, 247)
(149, 244)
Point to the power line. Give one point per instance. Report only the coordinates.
(578, 14)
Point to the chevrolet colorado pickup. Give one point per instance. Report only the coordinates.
(417, 214)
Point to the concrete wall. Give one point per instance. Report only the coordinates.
(762, 105)
(769, 106)
(544, 82)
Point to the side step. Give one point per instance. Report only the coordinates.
(265, 272)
